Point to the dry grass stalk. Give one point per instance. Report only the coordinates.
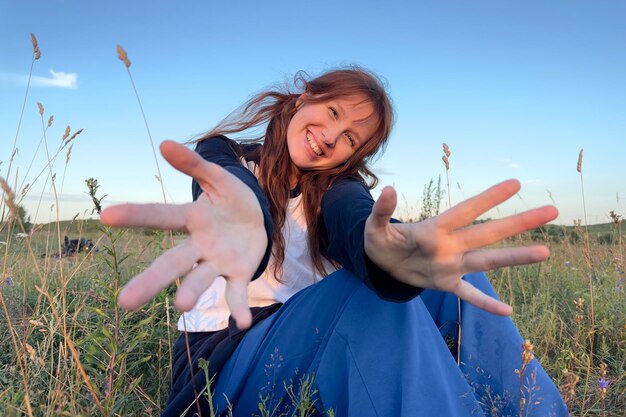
(40, 107)
(568, 389)
(121, 54)
(24, 191)
(527, 357)
(446, 150)
(78, 132)
(527, 352)
(579, 165)
(446, 161)
(67, 155)
(9, 196)
(36, 51)
(66, 134)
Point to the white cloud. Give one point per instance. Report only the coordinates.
(510, 163)
(57, 79)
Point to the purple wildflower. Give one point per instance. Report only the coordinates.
(603, 383)
(8, 281)
(568, 264)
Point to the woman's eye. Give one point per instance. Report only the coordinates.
(350, 139)
(333, 112)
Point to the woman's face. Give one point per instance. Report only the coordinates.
(324, 135)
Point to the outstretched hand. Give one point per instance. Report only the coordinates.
(438, 251)
(226, 236)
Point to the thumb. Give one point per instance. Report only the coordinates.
(383, 208)
(237, 300)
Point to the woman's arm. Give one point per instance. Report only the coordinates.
(345, 209)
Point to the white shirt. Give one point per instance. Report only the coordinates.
(211, 311)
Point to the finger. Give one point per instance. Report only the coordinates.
(163, 271)
(467, 211)
(155, 216)
(495, 230)
(383, 208)
(474, 296)
(195, 283)
(485, 260)
(208, 175)
(237, 299)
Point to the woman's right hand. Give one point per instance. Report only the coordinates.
(226, 237)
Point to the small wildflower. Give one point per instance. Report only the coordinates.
(8, 281)
(603, 382)
(568, 264)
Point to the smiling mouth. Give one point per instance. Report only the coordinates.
(316, 149)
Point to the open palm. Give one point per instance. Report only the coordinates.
(437, 252)
(226, 237)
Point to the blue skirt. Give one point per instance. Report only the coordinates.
(353, 354)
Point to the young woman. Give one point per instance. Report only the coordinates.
(271, 217)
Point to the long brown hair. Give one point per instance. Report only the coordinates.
(276, 107)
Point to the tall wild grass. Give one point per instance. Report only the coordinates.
(67, 349)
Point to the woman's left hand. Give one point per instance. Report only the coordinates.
(437, 252)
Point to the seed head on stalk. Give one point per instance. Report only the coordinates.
(78, 132)
(36, 50)
(66, 134)
(67, 155)
(121, 54)
(579, 166)
(446, 162)
(446, 150)
(9, 196)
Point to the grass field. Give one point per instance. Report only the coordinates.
(67, 349)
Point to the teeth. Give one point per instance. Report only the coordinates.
(314, 146)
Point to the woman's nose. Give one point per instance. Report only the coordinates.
(330, 137)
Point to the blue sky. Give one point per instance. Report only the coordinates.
(515, 90)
